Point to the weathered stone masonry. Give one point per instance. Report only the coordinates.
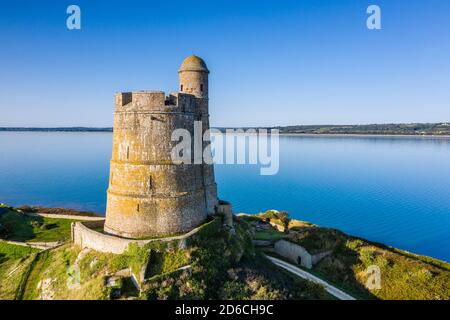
(148, 195)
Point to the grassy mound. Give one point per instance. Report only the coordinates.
(316, 239)
(403, 276)
(18, 226)
(225, 266)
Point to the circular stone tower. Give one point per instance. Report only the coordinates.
(149, 195)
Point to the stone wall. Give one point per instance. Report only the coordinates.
(84, 235)
(292, 252)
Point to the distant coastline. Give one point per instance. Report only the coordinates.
(390, 129)
(55, 129)
(368, 135)
(395, 130)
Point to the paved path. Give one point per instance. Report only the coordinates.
(66, 216)
(308, 276)
(36, 245)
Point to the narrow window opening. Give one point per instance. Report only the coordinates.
(150, 183)
(138, 207)
(128, 153)
(181, 88)
(201, 87)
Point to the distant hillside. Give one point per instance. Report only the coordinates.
(440, 129)
(417, 129)
(57, 129)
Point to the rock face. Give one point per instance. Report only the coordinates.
(148, 194)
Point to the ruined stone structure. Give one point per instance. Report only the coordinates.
(149, 195)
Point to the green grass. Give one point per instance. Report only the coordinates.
(404, 275)
(56, 268)
(13, 252)
(163, 261)
(316, 239)
(225, 266)
(269, 235)
(15, 262)
(211, 253)
(433, 261)
(21, 227)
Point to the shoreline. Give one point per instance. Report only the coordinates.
(343, 135)
(366, 135)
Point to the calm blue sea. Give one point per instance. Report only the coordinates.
(390, 190)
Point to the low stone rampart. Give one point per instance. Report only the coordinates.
(85, 234)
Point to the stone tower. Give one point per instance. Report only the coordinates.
(148, 194)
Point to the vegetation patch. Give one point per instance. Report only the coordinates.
(15, 262)
(13, 252)
(279, 218)
(215, 263)
(19, 226)
(316, 239)
(269, 235)
(225, 265)
(258, 279)
(403, 275)
(69, 273)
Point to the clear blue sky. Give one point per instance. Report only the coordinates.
(272, 62)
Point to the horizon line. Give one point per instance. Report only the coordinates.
(224, 127)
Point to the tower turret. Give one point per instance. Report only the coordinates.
(193, 75)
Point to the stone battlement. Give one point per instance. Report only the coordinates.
(155, 101)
